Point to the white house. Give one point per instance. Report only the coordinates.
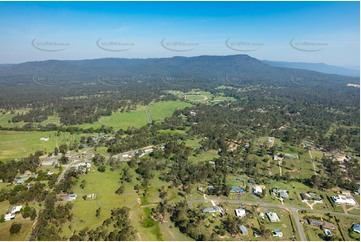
(341, 199)
(273, 217)
(16, 209)
(240, 212)
(9, 217)
(72, 197)
(257, 190)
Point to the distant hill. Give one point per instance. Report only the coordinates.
(319, 67)
(242, 69)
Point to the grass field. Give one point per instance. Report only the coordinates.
(21, 236)
(17, 144)
(104, 185)
(138, 118)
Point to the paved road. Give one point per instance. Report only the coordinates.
(292, 209)
(74, 162)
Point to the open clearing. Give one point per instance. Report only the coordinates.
(138, 118)
(17, 144)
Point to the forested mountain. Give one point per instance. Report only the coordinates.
(319, 67)
(242, 67)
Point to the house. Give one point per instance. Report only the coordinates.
(257, 190)
(243, 229)
(328, 225)
(240, 212)
(148, 151)
(237, 189)
(9, 217)
(277, 233)
(211, 188)
(72, 197)
(341, 199)
(292, 156)
(251, 181)
(273, 217)
(19, 182)
(214, 209)
(16, 209)
(305, 197)
(314, 222)
(356, 228)
(283, 193)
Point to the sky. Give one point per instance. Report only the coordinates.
(327, 32)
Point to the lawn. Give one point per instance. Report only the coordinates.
(204, 156)
(17, 144)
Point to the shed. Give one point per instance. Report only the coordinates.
(243, 229)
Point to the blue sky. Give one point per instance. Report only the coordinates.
(326, 32)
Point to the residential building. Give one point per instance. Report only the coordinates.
(273, 217)
(305, 197)
(341, 199)
(237, 189)
(214, 209)
(356, 228)
(283, 193)
(257, 190)
(72, 197)
(240, 212)
(9, 217)
(16, 209)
